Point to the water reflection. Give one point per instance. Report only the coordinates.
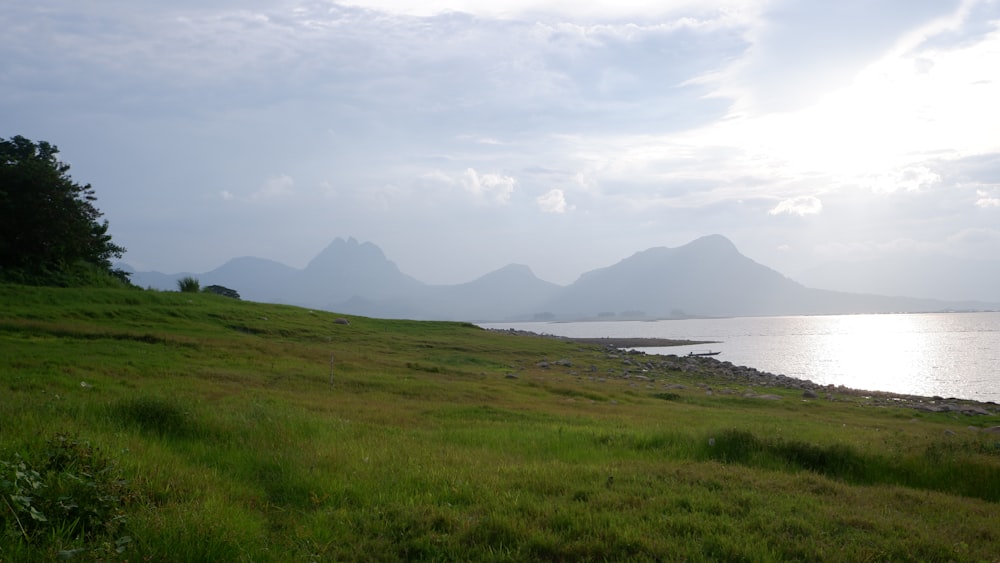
(947, 354)
(873, 352)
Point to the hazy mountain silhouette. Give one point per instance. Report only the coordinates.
(347, 269)
(259, 279)
(707, 277)
(512, 292)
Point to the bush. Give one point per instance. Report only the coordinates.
(188, 285)
(223, 291)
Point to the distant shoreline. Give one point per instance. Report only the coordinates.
(641, 342)
(726, 371)
(624, 342)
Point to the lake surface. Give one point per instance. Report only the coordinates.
(945, 354)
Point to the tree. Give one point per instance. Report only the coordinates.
(50, 230)
(223, 291)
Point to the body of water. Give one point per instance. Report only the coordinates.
(945, 354)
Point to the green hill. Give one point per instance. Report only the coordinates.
(162, 426)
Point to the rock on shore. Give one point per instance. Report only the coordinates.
(642, 367)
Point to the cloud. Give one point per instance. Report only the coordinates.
(801, 206)
(978, 243)
(275, 187)
(695, 115)
(628, 9)
(985, 200)
(907, 179)
(798, 50)
(979, 236)
(553, 201)
(871, 249)
(385, 197)
(920, 96)
(479, 140)
(492, 188)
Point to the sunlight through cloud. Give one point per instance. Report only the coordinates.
(801, 206)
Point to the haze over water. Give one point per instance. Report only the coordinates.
(943, 354)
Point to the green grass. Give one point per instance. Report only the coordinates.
(220, 438)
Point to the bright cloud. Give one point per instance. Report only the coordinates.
(985, 200)
(493, 188)
(553, 201)
(909, 179)
(922, 98)
(801, 206)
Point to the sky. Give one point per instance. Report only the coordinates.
(461, 136)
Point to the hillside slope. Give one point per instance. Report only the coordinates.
(230, 430)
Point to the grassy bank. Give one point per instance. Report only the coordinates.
(190, 427)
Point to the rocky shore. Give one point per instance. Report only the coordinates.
(722, 372)
(724, 377)
(635, 342)
(641, 342)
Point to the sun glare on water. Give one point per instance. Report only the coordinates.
(877, 351)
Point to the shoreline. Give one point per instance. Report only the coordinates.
(639, 342)
(617, 342)
(712, 368)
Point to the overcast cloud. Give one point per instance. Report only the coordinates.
(460, 138)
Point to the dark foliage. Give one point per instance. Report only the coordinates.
(50, 230)
(223, 291)
(70, 492)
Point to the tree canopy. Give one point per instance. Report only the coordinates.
(50, 230)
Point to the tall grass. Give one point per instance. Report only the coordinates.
(188, 284)
(230, 443)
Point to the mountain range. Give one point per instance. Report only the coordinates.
(706, 277)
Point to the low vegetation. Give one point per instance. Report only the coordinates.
(167, 426)
(188, 284)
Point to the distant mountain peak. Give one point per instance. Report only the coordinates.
(342, 252)
(514, 269)
(511, 274)
(709, 245)
(712, 244)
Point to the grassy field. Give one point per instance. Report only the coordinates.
(158, 426)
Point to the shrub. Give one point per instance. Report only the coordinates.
(223, 291)
(188, 284)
